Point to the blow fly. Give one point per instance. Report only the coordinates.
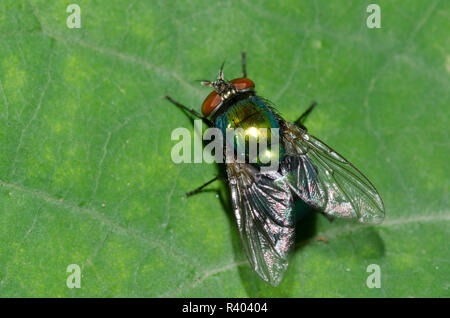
(263, 200)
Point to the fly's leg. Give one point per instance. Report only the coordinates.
(190, 111)
(299, 122)
(329, 217)
(244, 65)
(188, 194)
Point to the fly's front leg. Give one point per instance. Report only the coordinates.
(190, 111)
(299, 122)
(244, 65)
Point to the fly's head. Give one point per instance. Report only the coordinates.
(222, 87)
(223, 90)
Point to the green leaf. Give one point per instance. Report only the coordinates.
(86, 175)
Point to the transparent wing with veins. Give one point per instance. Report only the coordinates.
(327, 181)
(262, 204)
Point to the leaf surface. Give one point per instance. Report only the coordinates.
(86, 175)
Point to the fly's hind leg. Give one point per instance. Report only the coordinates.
(188, 194)
(190, 111)
(329, 217)
(299, 122)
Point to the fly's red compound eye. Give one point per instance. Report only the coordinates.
(242, 83)
(211, 102)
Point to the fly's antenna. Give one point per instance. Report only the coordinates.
(221, 71)
(220, 77)
(205, 83)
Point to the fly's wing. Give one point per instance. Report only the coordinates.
(262, 203)
(326, 180)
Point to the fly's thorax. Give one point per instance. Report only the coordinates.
(255, 131)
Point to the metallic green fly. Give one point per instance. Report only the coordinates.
(308, 170)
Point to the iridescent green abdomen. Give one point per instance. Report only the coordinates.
(246, 117)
